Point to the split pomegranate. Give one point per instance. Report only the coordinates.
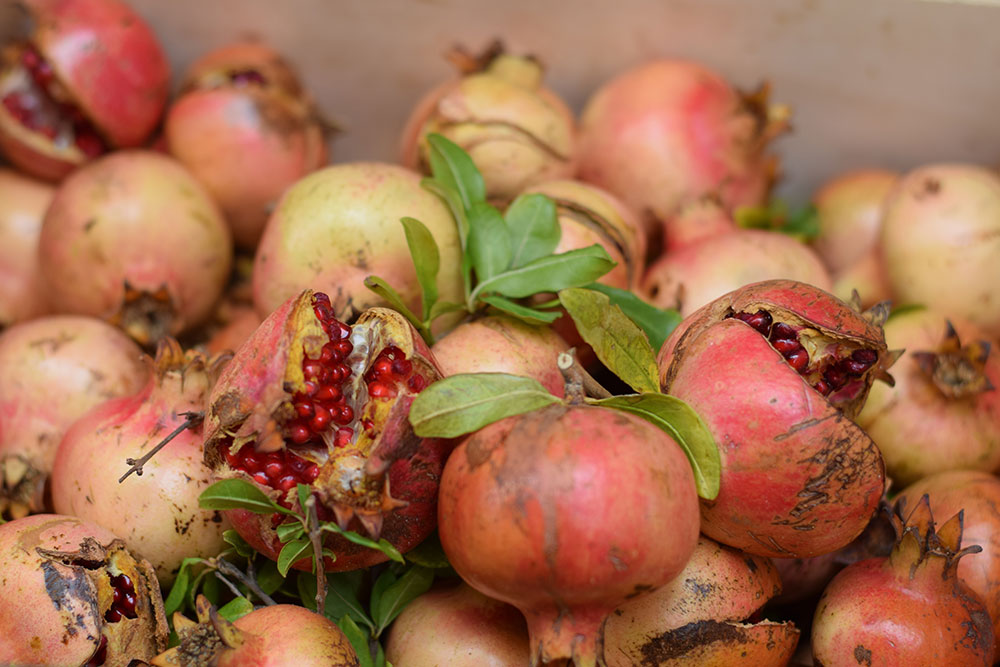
(566, 512)
(909, 608)
(92, 77)
(74, 595)
(310, 400)
(777, 370)
(23, 202)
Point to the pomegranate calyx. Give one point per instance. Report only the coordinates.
(20, 487)
(773, 120)
(467, 62)
(147, 317)
(919, 544)
(956, 370)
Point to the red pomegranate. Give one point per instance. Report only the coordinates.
(23, 202)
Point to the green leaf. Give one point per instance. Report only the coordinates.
(905, 308)
(394, 599)
(429, 553)
(291, 553)
(230, 494)
(529, 315)
(212, 587)
(391, 296)
(658, 323)
(235, 609)
(426, 260)
(534, 228)
(802, 224)
(382, 583)
(302, 492)
(454, 202)
(268, 578)
(380, 660)
(685, 426)
(287, 532)
(358, 639)
(175, 600)
(489, 241)
(466, 402)
(617, 341)
(193, 588)
(238, 543)
(453, 168)
(341, 595)
(382, 545)
(442, 307)
(552, 273)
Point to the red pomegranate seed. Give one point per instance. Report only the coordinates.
(345, 415)
(343, 437)
(297, 464)
(287, 483)
(761, 320)
(380, 390)
(402, 367)
(786, 346)
(822, 387)
(116, 595)
(416, 382)
(329, 393)
(321, 419)
(339, 373)
(311, 369)
(866, 356)
(303, 408)
(798, 359)
(251, 460)
(323, 312)
(232, 458)
(100, 655)
(89, 143)
(261, 478)
(310, 388)
(320, 297)
(328, 354)
(381, 368)
(274, 470)
(782, 331)
(368, 425)
(128, 604)
(852, 367)
(310, 473)
(343, 347)
(299, 434)
(835, 377)
(112, 615)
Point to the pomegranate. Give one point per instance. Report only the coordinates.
(460, 627)
(23, 202)
(940, 241)
(239, 324)
(92, 77)
(516, 131)
(944, 412)
(339, 225)
(704, 270)
(566, 512)
(909, 608)
(668, 132)
(134, 239)
(777, 370)
(247, 130)
(156, 514)
(705, 615)
(502, 344)
(308, 399)
(74, 595)
(977, 494)
(696, 220)
(849, 210)
(52, 371)
(281, 634)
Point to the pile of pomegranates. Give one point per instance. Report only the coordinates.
(563, 386)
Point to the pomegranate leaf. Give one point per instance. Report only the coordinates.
(426, 261)
(235, 609)
(657, 323)
(442, 307)
(342, 595)
(685, 426)
(293, 551)
(287, 532)
(534, 228)
(384, 290)
(453, 202)
(802, 224)
(268, 578)
(358, 639)
(453, 168)
(529, 315)
(382, 544)
(429, 553)
(175, 600)
(489, 241)
(617, 341)
(466, 402)
(240, 546)
(230, 494)
(574, 268)
(414, 583)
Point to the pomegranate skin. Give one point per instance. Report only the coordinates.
(23, 202)
(290, 635)
(564, 513)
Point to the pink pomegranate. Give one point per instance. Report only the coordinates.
(53, 370)
(501, 344)
(156, 513)
(239, 324)
(668, 132)
(944, 411)
(337, 226)
(704, 270)
(566, 512)
(247, 130)
(282, 634)
(308, 399)
(134, 239)
(909, 608)
(940, 241)
(91, 78)
(705, 616)
(460, 627)
(696, 220)
(777, 370)
(74, 595)
(515, 130)
(23, 202)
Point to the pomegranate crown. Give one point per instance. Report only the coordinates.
(918, 543)
(956, 370)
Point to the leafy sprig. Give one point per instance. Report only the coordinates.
(775, 216)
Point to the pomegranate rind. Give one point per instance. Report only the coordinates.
(290, 632)
(23, 202)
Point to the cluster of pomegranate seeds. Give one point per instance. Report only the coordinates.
(100, 655)
(123, 602)
(391, 368)
(281, 470)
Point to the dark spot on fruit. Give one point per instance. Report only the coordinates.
(751, 564)
(87, 226)
(863, 655)
(675, 644)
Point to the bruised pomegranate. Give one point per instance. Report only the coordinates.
(92, 77)
(23, 202)
(909, 608)
(247, 130)
(310, 400)
(566, 512)
(777, 370)
(74, 595)
(705, 616)
(52, 371)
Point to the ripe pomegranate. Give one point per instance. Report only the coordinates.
(52, 371)
(339, 225)
(944, 412)
(977, 494)
(308, 399)
(282, 634)
(460, 627)
(849, 210)
(696, 220)
(516, 131)
(940, 241)
(502, 344)
(777, 370)
(706, 615)
(668, 132)
(92, 77)
(156, 514)
(566, 512)
(704, 270)
(240, 323)
(247, 130)
(909, 608)
(134, 239)
(23, 202)
(74, 595)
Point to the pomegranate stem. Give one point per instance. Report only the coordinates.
(191, 420)
(579, 383)
(224, 567)
(315, 536)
